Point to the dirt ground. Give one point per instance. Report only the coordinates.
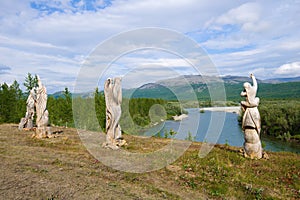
(61, 168)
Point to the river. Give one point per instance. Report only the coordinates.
(207, 126)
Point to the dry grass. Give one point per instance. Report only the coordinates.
(61, 168)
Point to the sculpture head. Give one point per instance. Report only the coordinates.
(39, 81)
(107, 82)
(117, 80)
(247, 85)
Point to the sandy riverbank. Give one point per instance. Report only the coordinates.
(233, 109)
(180, 117)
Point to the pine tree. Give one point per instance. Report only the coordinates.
(67, 113)
(19, 106)
(12, 104)
(100, 108)
(30, 82)
(60, 109)
(4, 103)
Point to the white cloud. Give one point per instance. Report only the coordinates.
(14, 7)
(246, 13)
(290, 69)
(290, 44)
(144, 66)
(140, 76)
(254, 36)
(240, 35)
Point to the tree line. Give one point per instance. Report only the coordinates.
(280, 118)
(13, 103)
(135, 112)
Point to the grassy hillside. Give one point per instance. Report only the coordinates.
(289, 90)
(158, 92)
(61, 168)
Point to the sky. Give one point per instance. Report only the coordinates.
(56, 38)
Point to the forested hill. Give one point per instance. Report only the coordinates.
(289, 90)
(175, 88)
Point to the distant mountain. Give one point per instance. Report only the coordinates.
(282, 80)
(146, 91)
(238, 79)
(83, 95)
(57, 94)
(198, 79)
(149, 86)
(188, 86)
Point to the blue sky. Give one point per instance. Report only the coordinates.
(54, 38)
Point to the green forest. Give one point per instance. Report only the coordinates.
(289, 90)
(280, 117)
(138, 113)
(13, 103)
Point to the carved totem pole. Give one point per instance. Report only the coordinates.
(42, 115)
(37, 99)
(113, 100)
(27, 121)
(251, 124)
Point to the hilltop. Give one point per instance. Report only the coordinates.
(62, 168)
